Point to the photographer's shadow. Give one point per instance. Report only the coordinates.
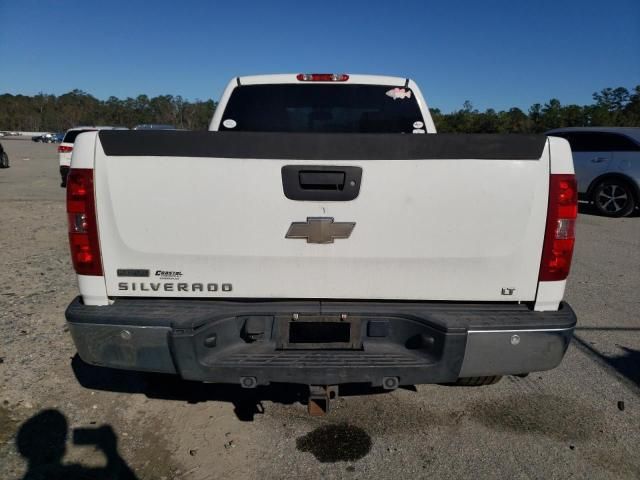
(42, 439)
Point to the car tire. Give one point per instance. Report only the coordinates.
(477, 381)
(614, 198)
(4, 160)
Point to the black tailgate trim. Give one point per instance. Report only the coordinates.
(322, 146)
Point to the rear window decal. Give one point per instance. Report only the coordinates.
(398, 93)
(229, 123)
(418, 124)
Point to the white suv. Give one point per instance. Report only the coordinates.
(607, 164)
(66, 148)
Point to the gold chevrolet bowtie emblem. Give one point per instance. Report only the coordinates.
(320, 230)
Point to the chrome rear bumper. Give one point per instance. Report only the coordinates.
(505, 352)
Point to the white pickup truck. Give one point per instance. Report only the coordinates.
(317, 235)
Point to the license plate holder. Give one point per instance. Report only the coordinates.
(318, 332)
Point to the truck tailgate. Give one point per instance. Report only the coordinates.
(182, 214)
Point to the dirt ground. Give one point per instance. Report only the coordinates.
(60, 418)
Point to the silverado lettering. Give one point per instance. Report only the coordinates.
(172, 286)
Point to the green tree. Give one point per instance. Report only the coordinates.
(514, 121)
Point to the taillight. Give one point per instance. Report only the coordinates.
(322, 77)
(83, 228)
(559, 237)
(64, 149)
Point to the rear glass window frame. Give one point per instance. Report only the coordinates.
(321, 108)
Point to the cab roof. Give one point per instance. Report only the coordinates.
(632, 132)
(353, 79)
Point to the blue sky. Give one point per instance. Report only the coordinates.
(494, 53)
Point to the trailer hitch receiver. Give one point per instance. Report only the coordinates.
(320, 399)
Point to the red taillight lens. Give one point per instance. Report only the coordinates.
(559, 237)
(322, 77)
(83, 228)
(64, 149)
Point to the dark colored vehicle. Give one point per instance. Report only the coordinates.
(4, 158)
(48, 138)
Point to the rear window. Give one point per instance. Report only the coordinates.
(599, 142)
(71, 135)
(322, 108)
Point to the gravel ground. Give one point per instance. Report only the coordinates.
(581, 420)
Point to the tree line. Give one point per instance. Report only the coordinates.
(610, 107)
(51, 113)
(44, 112)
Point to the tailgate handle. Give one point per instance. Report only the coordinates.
(321, 182)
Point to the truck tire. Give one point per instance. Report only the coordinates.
(613, 197)
(477, 381)
(4, 160)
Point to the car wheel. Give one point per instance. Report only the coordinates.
(4, 160)
(614, 198)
